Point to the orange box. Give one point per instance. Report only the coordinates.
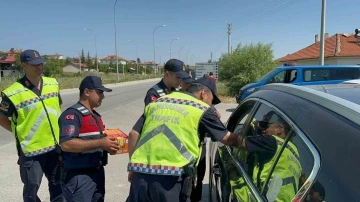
(121, 137)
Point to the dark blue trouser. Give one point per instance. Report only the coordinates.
(85, 185)
(147, 187)
(32, 170)
(196, 192)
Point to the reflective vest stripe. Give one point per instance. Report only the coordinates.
(36, 126)
(289, 148)
(28, 103)
(88, 134)
(155, 169)
(290, 180)
(39, 151)
(17, 91)
(182, 101)
(50, 83)
(171, 136)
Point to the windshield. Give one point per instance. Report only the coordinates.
(266, 76)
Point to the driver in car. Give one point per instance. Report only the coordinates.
(262, 153)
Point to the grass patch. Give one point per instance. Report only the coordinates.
(72, 80)
(223, 94)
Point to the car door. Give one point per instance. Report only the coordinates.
(224, 163)
(259, 173)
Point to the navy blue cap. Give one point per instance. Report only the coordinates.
(206, 81)
(188, 79)
(176, 66)
(93, 82)
(32, 57)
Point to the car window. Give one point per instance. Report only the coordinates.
(331, 74)
(239, 117)
(276, 158)
(278, 78)
(316, 74)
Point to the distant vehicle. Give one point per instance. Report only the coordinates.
(321, 128)
(302, 75)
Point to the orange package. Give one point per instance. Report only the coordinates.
(121, 137)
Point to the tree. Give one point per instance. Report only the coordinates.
(67, 60)
(82, 56)
(138, 60)
(88, 60)
(245, 65)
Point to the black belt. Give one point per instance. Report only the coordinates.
(86, 170)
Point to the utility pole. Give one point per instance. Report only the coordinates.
(322, 32)
(80, 61)
(211, 57)
(229, 38)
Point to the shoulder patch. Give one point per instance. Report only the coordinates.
(69, 117)
(153, 98)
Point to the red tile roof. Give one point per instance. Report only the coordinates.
(78, 64)
(112, 57)
(9, 59)
(338, 45)
(147, 63)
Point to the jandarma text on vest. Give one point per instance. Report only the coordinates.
(175, 107)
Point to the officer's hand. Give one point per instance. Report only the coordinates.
(218, 114)
(110, 144)
(130, 176)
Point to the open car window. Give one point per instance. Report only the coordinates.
(278, 159)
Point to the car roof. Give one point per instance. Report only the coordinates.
(348, 91)
(334, 100)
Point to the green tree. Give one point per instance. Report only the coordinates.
(82, 56)
(138, 60)
(88, 60)
(67, 60)
(52, 67)
(245, 65)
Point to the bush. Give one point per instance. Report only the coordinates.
(245, 65)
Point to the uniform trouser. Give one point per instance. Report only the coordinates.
(196, 192)
(32, 170)
(148, 187)
(85, 185)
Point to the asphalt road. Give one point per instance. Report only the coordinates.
(120, 109)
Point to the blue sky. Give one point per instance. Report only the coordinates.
(58, 26)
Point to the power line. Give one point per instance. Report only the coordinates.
(255, 12)
(220, 45)
(266, 14)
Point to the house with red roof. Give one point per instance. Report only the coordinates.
(340, 49)
(112, 59)
(7, 64)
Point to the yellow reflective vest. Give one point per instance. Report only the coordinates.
(35, 125)
(169, 140)
(287, 171)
